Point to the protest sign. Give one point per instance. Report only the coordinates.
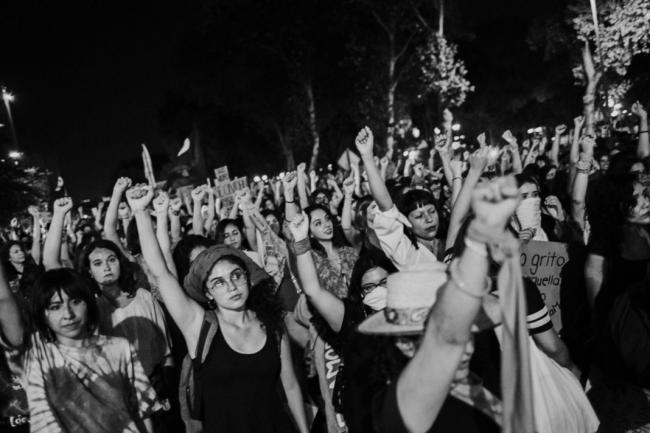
(226, 192)
(348, 158)
(542, 262)
(221, 175)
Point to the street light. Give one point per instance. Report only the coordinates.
(8, 97)
(14, 154)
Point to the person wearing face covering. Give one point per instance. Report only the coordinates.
(356, 381)
(541, 219)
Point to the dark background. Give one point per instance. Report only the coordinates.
(93, 80)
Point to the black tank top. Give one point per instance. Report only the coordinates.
(239, 392)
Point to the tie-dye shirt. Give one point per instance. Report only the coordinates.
(100, 388)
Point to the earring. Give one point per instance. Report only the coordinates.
(212, 304)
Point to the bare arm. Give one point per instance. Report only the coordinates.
(517, 166)
(456, 180)
(291, 386)
(198, 194)
(36, 234)
(365, 143)
(346, 218)
(175, 219)
(595, 266)
(555, 149)
(289, 184)
(477, 163)
(209, 218)
(187, 314)
(327, 304)
(549, 343)
(52, 247)
(11, 322)
(302, 186)
(110, 220)
(581, 181)
(161, 207)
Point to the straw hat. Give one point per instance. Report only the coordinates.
(410, 297)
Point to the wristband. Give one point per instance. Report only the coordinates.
(645, 131)
(289, 201)
(301, 247)
(457, 177)
(460, 284)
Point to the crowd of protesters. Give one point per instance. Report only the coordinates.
(384, 296)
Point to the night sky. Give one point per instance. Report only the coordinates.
(90, 78)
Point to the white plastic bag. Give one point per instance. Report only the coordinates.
(561, 406)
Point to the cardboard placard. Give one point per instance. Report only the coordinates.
(226, 192)
(348, 158)
(542, 262)
(221, 175)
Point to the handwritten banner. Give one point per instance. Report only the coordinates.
(542, 262)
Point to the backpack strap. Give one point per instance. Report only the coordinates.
(190, 387)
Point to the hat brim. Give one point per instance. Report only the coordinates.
(377, 324)
(488, 317)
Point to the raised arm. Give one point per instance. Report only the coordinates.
(161, 208)
(555, 149)
(365, 143)
(209, 218)
(643, 148)
(424, 384)
(110, 220)
(289, 184)
(11, 322)
(477, 163)
(198, 194)
(574, 152)
(187, 314)
(302, 185)
(52, 247)
(36, 234)
(517, 166)
(456, 179)
(328, 305)
(346, 217)
(175, 219)
(579, 191)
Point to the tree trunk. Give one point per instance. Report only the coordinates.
(313, 127)
(589, 99)
(441, 18)
(288, 153)
(390, 96)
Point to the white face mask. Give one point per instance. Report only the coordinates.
(376, 298)
(529, 213)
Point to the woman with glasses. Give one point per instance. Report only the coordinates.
(237, 370)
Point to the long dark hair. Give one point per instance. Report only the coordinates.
(221, 229)
(57, 281)
(11, 272)
(261, 300)
(126, 280)
(338, 237)
(183, 250)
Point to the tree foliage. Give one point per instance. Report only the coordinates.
(443, 72)
(21, 187)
